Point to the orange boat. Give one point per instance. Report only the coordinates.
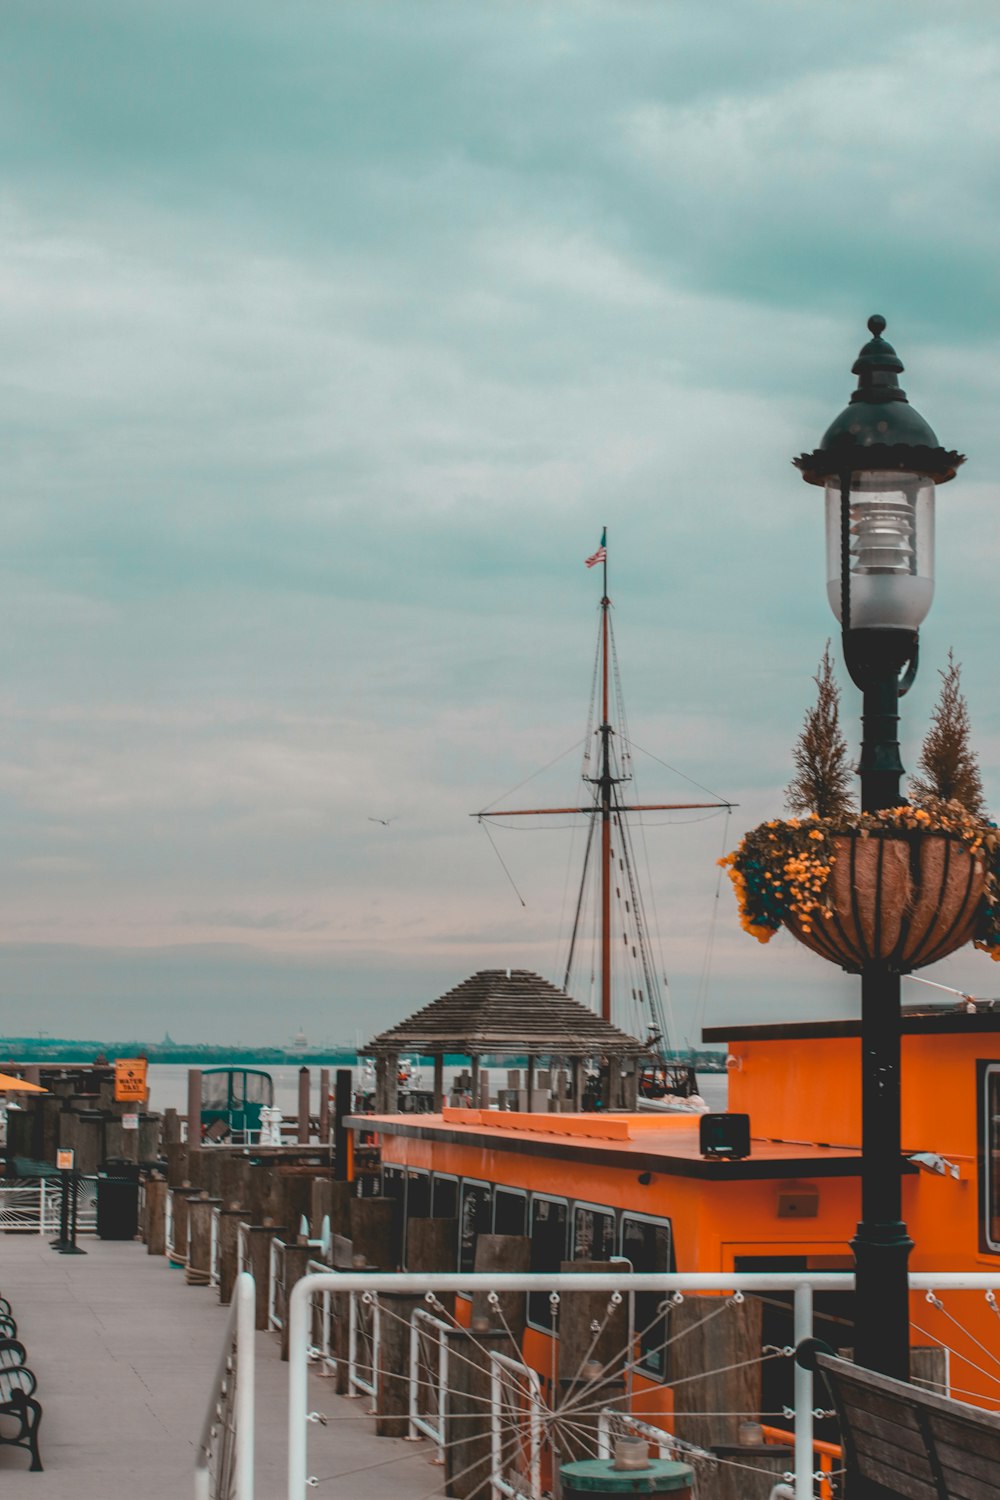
(635, 1185)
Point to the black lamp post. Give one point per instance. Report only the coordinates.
(880, 463)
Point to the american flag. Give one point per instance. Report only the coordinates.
(602, 552)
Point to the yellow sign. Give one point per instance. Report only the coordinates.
(130, 1080)
(64, 1160)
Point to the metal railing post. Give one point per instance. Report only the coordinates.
(298, 1320)
(803, 1400)
(245, 1386)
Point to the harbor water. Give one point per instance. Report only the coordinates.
(168, 1085)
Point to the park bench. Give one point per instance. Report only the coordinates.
(17, 1390)
(901, 1440)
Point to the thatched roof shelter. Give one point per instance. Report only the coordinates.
(504, 1012)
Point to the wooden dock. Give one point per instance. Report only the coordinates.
(125, 1351)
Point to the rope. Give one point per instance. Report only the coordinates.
(496, 851)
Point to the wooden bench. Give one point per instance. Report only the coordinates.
(17, 1390)
(901, 1440)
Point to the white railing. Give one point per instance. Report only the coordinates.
(224, 1462)
(213, 1251)
(363, 1337)
(321, 1349)
(35, 1205)
(243, 1247)
(428, 1377)
(275, 1284)
(364, 1351)
(515, 1393)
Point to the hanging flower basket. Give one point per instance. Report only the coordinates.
(904, 887)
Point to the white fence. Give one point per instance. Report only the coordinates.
(224, 1463)
(517, 1403)
(34, 1205)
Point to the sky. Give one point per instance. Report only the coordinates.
(333, 335)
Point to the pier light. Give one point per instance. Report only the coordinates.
(880, 464)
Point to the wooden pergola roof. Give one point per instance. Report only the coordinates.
(507, 1011)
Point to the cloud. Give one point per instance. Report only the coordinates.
(332, 339)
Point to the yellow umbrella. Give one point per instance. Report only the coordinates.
(9, 1085)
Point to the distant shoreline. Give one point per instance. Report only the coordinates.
(24, 1050)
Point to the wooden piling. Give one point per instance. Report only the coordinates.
(177, 1163)
(324, 1106)
(194, 1110)
(432, 1245)
(497, 1253)
(467, 1431)
(156, 1215)
(714, 1345)
(296, 1266)
(375, 1232)
(592, 1353)
(199, 1266)
(303, 1112)
(230, 1220)
(261, 1236)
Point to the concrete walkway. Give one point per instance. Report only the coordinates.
(125, 1351)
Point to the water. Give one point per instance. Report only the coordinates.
(168, 1085)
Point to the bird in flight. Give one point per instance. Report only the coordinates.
(384, 821)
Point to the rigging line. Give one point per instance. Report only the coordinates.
(962, 1329)
(701, 1000)
(656, 928)
(496, 851)
(652, 985)
(570, 865)
(555, 759)
(963, 1357)
(579, 899)
(677, 772)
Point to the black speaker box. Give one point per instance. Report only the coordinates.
(725, 1135)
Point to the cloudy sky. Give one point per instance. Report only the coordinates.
(333, 334)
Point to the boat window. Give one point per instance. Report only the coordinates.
(418, 1195)
(475, 1220)
(549, 1218)
(394, 1183)
(510, 1211)
(593, 1232)
(646, 1244)
(991, 1152)
(444, 1197)
(215, 1091)
(259, 1088)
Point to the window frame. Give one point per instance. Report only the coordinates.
(513, 1192)
(660, 1221)
(596, 1208)
(556, 1198)
(437, 1177)
(473, 1182)
(988, 1069)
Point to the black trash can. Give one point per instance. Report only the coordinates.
(118, 1201)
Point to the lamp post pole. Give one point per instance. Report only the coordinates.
(880, 464)
(881, 1243)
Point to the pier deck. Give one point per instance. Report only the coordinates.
(124, 1351)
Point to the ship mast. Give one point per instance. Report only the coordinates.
(607, 809)
(605, 783)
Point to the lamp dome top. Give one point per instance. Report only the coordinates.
(878, 428)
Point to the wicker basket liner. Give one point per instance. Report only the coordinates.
(902, 898)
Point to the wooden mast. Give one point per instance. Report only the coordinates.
(605, 785)
(605, 802)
